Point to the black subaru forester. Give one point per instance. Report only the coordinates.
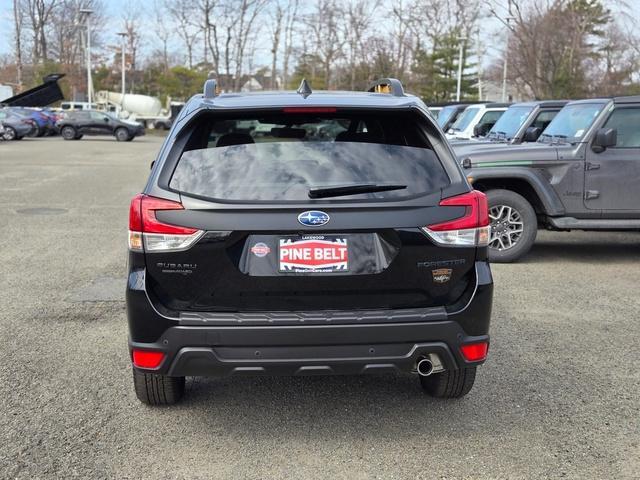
(306, 233)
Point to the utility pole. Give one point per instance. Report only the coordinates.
(86, 12)
(479, 53)
(123, 35)
(506, 56)
(461, 40)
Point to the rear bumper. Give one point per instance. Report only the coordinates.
(308, 350)
(311, 343)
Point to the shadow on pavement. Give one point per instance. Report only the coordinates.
(585, 251)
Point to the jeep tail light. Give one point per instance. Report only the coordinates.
(469, 230)
(147, 233)
(147, 358)
(474, 352)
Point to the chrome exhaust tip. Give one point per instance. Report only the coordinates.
(424, 367)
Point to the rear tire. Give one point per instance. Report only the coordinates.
(122, 135)
(68, 133)
(154, 389)
(35, 131)
(450, 383)
(514, 226)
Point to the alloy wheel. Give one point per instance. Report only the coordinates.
(9, 133)
(506, 227)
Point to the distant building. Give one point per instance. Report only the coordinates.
(258, 82)
(251, 85)
(492, 92)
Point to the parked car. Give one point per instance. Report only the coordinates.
(435, 111)
(521, 123)
(449, 114)
(54, 116)
(15, 126)
(43, 125)
(476, 121)
(361, 251)
(450, 111)
(76, 124)
(582, 174)
(64, 106)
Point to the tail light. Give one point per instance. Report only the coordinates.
(147, 358)
(147, 233)
(474, 352)
(469, 230)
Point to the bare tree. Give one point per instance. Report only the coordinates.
(39, 12)
(328, 36)
(247, 12)
(64, 28)
(18, 21)
(400, 40)
(181, 10)
(290, 21)
(162, 31)
(205, 11)
(552, 46)
(358, 18)
(278, 16)
(131, 26)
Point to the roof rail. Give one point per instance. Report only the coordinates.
(210, 89)
(387, 85)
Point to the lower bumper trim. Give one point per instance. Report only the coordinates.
(199, 361)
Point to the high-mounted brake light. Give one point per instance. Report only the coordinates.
(147, 233)
(474, 352)
(147, 358)
(471, 229)
(309, 110)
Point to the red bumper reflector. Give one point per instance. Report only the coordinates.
(147, 358)
(474, 352)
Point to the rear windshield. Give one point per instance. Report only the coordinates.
(288, 157)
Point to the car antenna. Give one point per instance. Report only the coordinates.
(304, 89)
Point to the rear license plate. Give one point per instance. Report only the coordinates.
(313, 254)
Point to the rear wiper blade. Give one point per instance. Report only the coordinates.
(339, 191)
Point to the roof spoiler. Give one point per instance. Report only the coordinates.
(392, 86)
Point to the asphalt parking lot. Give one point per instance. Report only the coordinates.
(558, 397)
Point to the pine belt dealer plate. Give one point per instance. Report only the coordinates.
(313, 254)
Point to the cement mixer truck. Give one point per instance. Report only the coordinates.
(140, 108)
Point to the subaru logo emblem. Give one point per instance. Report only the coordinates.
(313, 218)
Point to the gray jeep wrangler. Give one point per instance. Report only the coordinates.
(581, 174)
